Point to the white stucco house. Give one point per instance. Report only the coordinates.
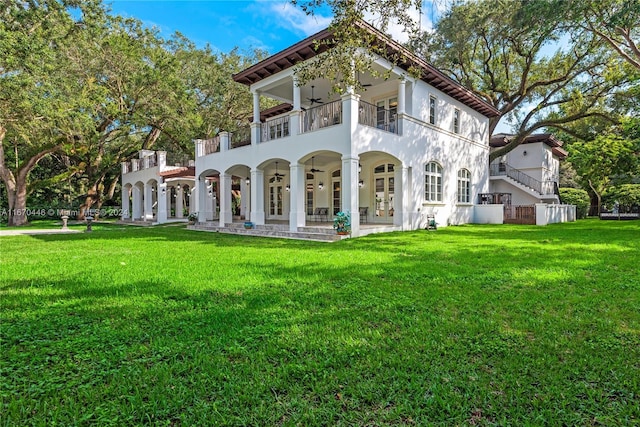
(399, 151)
(389, 155)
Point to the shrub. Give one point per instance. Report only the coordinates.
(627, 195)
(578, 197)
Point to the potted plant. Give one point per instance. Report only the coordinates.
(342, 223)
(193, 218)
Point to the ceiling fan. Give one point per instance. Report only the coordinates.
(313, 100)
(363, 84)
(313, 169)
(278, 176)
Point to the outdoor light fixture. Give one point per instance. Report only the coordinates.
(164, 191)
(320, 185)
(524, 153)
(247, 181)
(361, 183)
(359, 168)
(287, 187)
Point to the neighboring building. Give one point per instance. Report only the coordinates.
(153, 191)
(529, 173)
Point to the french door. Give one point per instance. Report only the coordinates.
(276, 202)
(383, 177)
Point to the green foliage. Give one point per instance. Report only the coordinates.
(604, 158)
(342, 222)
(578, 197)
(88, 90)
(162, 326)
(627, 195)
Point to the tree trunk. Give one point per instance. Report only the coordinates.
(598, 200)
(93, 197)
(17, 204)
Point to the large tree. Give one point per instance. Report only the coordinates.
(39, 97)
(522, 58)
(611, 157)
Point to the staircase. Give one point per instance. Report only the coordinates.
(542, 190)
(318, 234)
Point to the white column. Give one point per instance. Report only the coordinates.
(201, 199)
(257, 196)
(402, 88)
(125, 203)
(256, 133)
(350, 104)
(179, 196)
(350, 191)
(297, 194)
(162, 203)
(226, 216)
(244, 198)
(225, 141)
(199, 147)
(256, 107)
(209, 201)
(294, 116)
(169, 199)
(136, 201)
(148, 202)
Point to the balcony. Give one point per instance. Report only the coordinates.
(240, 138)
(322, 116)
(377, 117)
(275, 129)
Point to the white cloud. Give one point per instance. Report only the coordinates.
(291, 17)
(397, 30)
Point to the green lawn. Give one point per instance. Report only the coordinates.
(469, 325)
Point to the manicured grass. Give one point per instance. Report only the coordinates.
(470, 325)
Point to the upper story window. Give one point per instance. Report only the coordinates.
(432, 110)
(433, 182)
(464, 186)
(456, 121)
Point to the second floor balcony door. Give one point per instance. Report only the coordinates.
(384, 192)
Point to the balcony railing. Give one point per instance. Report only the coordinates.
(240, 138)
(322, 116)
(377, 117)
(275, 128)
(211, 145)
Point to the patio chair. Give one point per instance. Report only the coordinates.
(321, 214)
(364, 211)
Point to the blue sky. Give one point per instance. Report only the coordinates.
(271, 25)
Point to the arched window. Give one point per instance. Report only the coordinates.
(433, 182)
(464, 186)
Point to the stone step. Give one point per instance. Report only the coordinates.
(271, 230)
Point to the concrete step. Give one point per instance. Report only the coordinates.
(272, 230)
